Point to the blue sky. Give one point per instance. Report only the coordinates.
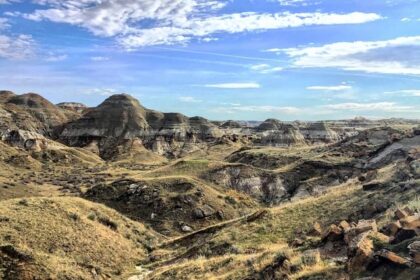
(221, 59)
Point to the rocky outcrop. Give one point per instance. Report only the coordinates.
(319, 132)
(73, 106)
(5, 95)
(167, 205)
(267, 187)
(121, 117)
(33, 113)
(275, 133)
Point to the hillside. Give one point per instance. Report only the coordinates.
(119, 191)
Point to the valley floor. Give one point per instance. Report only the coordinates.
(225, 212)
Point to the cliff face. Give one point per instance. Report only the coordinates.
(319, 132)
(275, 133)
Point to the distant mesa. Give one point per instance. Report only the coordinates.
(73, 106)
(231, 124)
(120, 124)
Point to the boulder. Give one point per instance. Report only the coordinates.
(366, 225)
(344, 225)
(393, 228)
(415, 251)
(360, 252)
(409, 211)
(403, 234)
(203, 212)
(316, 230)
(373, 186)
(411, 222)
(332, 233)
(362, 226)
(401, 214)
(186, 228)
(388, 257)
(198, 213)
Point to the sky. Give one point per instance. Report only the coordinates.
(220, 59)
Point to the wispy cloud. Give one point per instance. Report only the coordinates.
(330, 88)
(396, 56)
(265, 68)
(234, 86)
(176, 21)
(16, 47)
(189, 99)
(406, 92)
(102, 91)
(379, 106)
(235, 108)
(4, 23)
(52, 57)
(99, 58)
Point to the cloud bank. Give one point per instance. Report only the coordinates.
(141, 23)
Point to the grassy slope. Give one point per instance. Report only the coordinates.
(71, 236)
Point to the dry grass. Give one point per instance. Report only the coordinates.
(71, 236)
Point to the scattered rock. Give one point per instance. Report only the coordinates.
(415, 251)
(393, 228)
(311, 257)
(332, 233)
(373, 186)
(344, 225)
(403, 234)
(391, 258)
(186, 228)
(411, 222)
(316, 230)
(360, 252)
(297, 242)
(401, 214)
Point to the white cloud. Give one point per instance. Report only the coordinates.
(265, 68)
(8, 1)
(235, 86)
(4, 24)
(406, 92)
(396, 56)
(189, 99)
(235, 23)
(236, 108)
(296, 2)
(102, 91)
(16, 47)
(52, 57)
(379, 106)
(175, 21)
(99, 58)
(330, 88)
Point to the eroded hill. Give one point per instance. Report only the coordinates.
(93, 193)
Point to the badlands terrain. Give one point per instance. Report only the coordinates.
(120, 191)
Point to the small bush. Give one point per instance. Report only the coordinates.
(107, 222)
(91, 216)
(230, 200)
(23, 202)
(74, 216)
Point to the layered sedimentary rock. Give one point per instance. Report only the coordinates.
(275, 133)
(31, 112)
(73, 106)
(319, 132)
(121, 119)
